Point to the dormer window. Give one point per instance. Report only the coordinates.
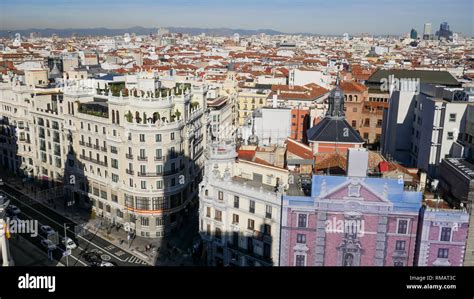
(354, 191)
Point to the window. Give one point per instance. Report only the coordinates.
(218, 215)
(400, 245)
(450, 135)
(301, 238)
(115, 178)
(142, 137)
(268, 211)
(354, 123)
(267, 229)
(300, 260)
(158, 137)
(159, 169)
(114, 163)
(218, 234)
(252, 206)
(143, 184)
(235, 218)
(452, 117)
(445, 234)
(251, 224)
(302, 219)
(402, 227)
(221, 195)
(159, 154)
(443, 253)
(398, 264)
(144, 221)
(159, 185)
(160, 221)
(172, 136)
(236, 202)
(354, 109)
(208, 229)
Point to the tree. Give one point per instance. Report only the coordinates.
(129, 116)
(177, 113)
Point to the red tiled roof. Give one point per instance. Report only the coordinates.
(299, 149)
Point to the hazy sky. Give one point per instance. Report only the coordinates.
(314, 16)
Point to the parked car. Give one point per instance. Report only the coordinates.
(69, 243)
(48, 244)
(47, 230)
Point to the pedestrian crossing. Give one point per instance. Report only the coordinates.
(135, 260)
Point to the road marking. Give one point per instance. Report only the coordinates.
(110, 247)
(120, 252)
(14, 197)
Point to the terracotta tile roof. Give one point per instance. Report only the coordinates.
(299, 149)
(351, 86)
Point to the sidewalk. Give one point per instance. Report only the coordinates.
(168, 251)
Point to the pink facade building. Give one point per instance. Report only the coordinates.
(442, 237)
(350, 221)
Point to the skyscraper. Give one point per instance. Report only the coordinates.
(444, 32)
(427, 31)
(413, 34)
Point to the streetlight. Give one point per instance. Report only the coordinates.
(68, 251)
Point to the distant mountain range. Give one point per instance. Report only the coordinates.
(137, 30)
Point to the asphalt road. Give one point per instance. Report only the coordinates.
(31, 209)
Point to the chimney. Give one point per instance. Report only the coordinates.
(357, 162)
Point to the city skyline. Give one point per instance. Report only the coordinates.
(317, 17)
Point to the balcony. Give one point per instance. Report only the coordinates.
(128, 171)
(129, 156)
(102, 163)
(142, 158)
(148, 174)
(159, 158)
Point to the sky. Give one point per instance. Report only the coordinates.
(312, 16)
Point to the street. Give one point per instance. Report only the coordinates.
(89, 242)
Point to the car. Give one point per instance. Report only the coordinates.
(14, 210)
(47, 230)
(69, 243)
(107, 264)
(93, 258)
(48, 244)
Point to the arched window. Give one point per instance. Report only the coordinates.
(113, 116)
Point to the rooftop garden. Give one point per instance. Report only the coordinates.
(116, 88)
(93, 109)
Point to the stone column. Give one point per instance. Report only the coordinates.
(320, 239)
(380, 243)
